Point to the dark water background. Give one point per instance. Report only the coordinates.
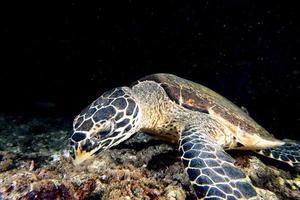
(58, 57)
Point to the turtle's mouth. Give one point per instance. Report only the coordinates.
(86, 149)
(83, 152)
(82, 155)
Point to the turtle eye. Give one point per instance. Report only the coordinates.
(107, 127)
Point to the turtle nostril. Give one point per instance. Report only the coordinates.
(78, 136)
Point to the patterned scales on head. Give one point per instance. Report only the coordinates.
(100, 124)
(202, 122)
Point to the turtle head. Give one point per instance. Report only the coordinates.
(109, 120)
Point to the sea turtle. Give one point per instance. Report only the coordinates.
(204, 123)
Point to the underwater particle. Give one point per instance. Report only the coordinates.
(32, 165)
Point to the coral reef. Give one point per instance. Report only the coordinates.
(34, 164)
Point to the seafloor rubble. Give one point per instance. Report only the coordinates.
(34, 164)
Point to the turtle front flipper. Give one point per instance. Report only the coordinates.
(289, 153)
(210, 169)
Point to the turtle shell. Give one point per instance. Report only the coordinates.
(197, 97)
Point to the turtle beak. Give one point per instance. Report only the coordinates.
(81, 155)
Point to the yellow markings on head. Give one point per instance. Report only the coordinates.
(81, 155)
(79, 152)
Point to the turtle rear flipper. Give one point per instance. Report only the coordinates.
(289, 153)
(210, 169)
